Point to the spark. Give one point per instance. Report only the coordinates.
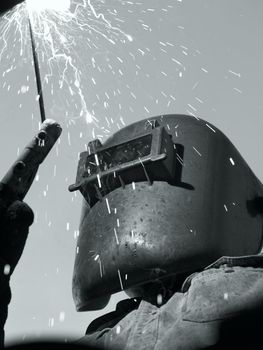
(119, 274)
(62, 316)
(192, 114)
(101, 16)
(96, 159)
(51, 322)
(180, 159)
(199, 100)
(99, 182)
(7, 269)
(234, 73)
(210, 127)
(195, 85)
(159, 299)
(101, 268)
(108, 206)
(197, 151)
(238, 90)
(191, 107)
(232, 161)
(116, 236)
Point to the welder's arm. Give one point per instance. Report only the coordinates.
(15, 215)
(14, 226)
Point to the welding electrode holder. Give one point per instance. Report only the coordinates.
(18, 179)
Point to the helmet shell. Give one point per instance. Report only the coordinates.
(142, 232)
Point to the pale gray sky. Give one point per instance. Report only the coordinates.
(190, 56)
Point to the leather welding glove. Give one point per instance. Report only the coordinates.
(14, 226)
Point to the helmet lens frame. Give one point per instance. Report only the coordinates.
(148, 157)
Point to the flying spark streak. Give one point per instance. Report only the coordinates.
(180, 159)
(101, 268)
(108, 206)
(101, 16)
(99, 182)
(119, 274)
(234, 73)
(96, 159)
(116, 236)
(238, 90)
(197, 151)
(232, 161)
(210, 127)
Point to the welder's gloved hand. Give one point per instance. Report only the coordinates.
(14, 226)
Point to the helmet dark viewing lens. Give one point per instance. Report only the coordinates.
(115, 156)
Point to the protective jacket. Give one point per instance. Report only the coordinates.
(220, 307)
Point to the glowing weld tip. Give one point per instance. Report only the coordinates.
(42, 5)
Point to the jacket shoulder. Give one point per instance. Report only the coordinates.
(224, 292)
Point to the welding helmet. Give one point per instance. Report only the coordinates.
(163, 196)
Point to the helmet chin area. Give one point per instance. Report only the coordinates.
(158, 291)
